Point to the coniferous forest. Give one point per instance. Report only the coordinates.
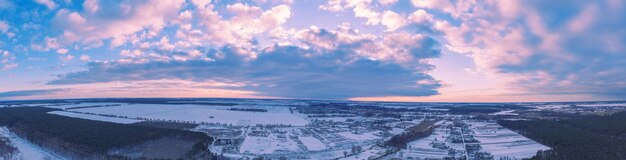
(583, 138)
(87, 139)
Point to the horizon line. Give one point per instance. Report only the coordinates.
(313, 99)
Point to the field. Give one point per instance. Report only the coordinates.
(493, 138)
(360, 137)
(312, 143)
(502, 142)
(268, 145)
(201, 113)
(422, 147)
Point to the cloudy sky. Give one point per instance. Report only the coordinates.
(391, 50)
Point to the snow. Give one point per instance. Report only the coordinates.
(95, 117)
(501, 142)
(202, 113)
(551, 106)
(367, 154)
(267, 145)
(602, 105)
(334, 119)
(360, 137)
(504, 113)
(27, 151)
(312, 143)
(422, 148)
(395, 131)
(493, 138)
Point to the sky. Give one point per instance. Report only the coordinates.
(385, 50)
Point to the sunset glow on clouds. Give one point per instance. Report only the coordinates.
(388, 50)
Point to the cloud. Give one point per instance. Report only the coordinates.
(535, 47)
(62, 51)
(387, 2)
(48, 3)
(115, 21)
(382, 14)
(91, 6)
(278, 71)
(85, 58)
(4, 26)
(49, 43)
(420, 17)
(361, 9)
(401, 48)
(4, 29)
(66, 57)
(24, 93)
(575, 49)
(219, 30)
(7, 60)
(392, 20)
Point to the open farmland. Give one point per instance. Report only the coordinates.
(200, 113)
(474, 139)
(502, 142)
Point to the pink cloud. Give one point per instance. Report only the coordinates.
(91, 27)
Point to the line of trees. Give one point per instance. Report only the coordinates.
(421, 130)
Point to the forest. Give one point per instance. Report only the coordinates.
(582, 138)
(421, 130)
(80, 138)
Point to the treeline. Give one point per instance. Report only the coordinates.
(93, 106)
(80, 138)
(249, 109)
(588, 137)
(421, 130)
(168, 125)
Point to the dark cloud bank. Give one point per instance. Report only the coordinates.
(283, 71)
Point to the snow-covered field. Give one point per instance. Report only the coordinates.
(360, 137)
(559, 106)
(602, 105)
(95, 117)
(551, 106)
(504, 113)
(202, 113)
(27, 151)
(501, 142)
(494, 139)
(312, 143)
(367, 154)
(422, 148)
(334, 119)
(268, 145)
